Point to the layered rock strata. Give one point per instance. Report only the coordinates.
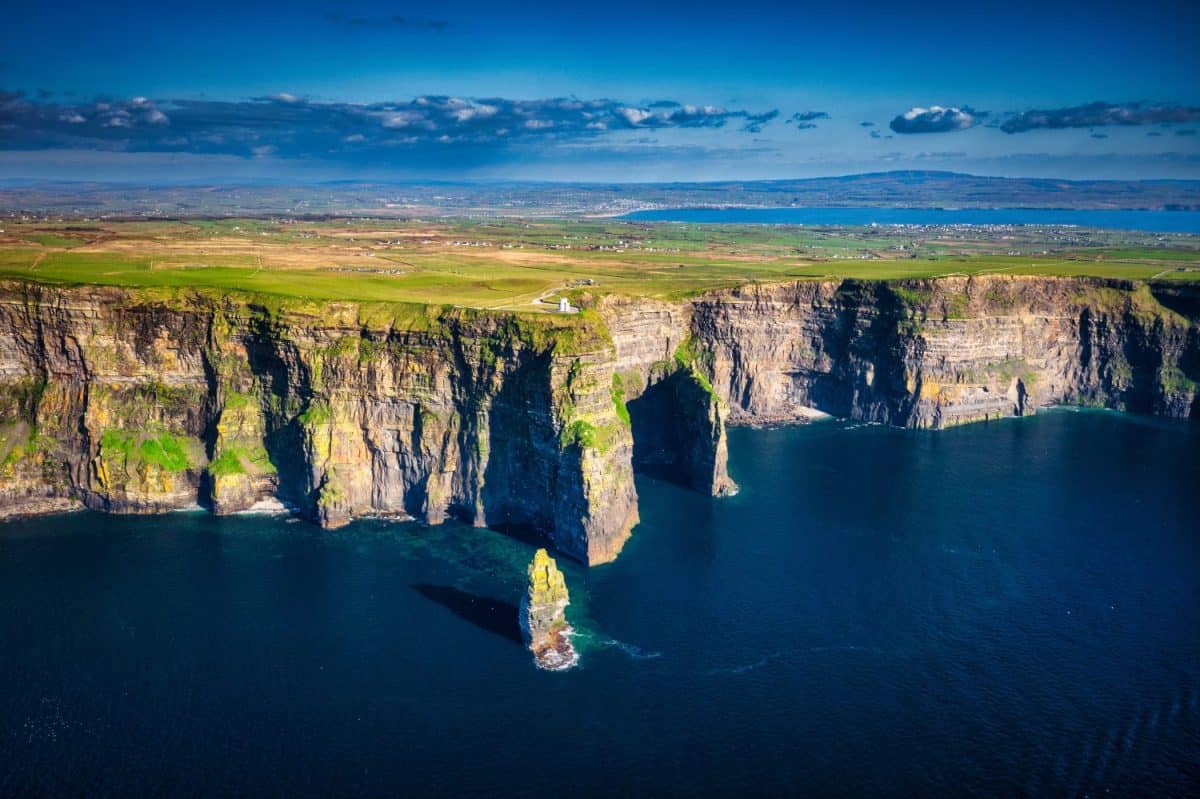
(139, 402)
(936, 353)
(132, 402)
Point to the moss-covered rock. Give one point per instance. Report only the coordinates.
(543, 617)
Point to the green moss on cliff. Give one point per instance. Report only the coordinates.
(1000, 298)
(618, 398)
(913, 307)
(1174, 381)
(165, 396)
(18, 440)
(344, 347)
(241, 460)
(912, 296)
(331, 491)
(403, 316)
(318, 412)
(955, 305)
(580, 432)
(691, 360)
(585, 435)
(564, 335)
(371, 351)
(167, 451)
(236, 400)
(1135, 300)
(226, 464)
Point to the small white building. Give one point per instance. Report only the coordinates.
(564, 306)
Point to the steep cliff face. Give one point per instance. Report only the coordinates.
(126, 402)
(678, 421)
(135, 402)
(943, 352)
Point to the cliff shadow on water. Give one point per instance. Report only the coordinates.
(491, 615)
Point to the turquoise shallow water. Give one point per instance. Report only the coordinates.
(1002, 609)
(1155, 221)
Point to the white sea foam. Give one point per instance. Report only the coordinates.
(559, 659)
(635, 652)
(265, 507)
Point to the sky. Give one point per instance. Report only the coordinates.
(620, 91)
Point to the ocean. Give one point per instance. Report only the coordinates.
(1007, 608)
(1152, 221)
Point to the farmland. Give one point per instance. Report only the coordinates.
(524, 265)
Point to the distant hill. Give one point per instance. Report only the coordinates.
(512, 198)
(938, 189)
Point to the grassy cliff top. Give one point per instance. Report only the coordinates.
(527, 265)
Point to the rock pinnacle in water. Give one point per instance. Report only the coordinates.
(543, 615)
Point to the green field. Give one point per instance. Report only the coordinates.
(516, 265)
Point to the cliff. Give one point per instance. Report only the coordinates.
(936, 353)
(132, 402)
(139, 402)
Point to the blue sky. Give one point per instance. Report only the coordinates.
(618, 91)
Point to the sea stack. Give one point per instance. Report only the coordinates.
(543, 615)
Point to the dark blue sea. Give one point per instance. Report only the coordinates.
(1003, 609)
(1153, 221)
